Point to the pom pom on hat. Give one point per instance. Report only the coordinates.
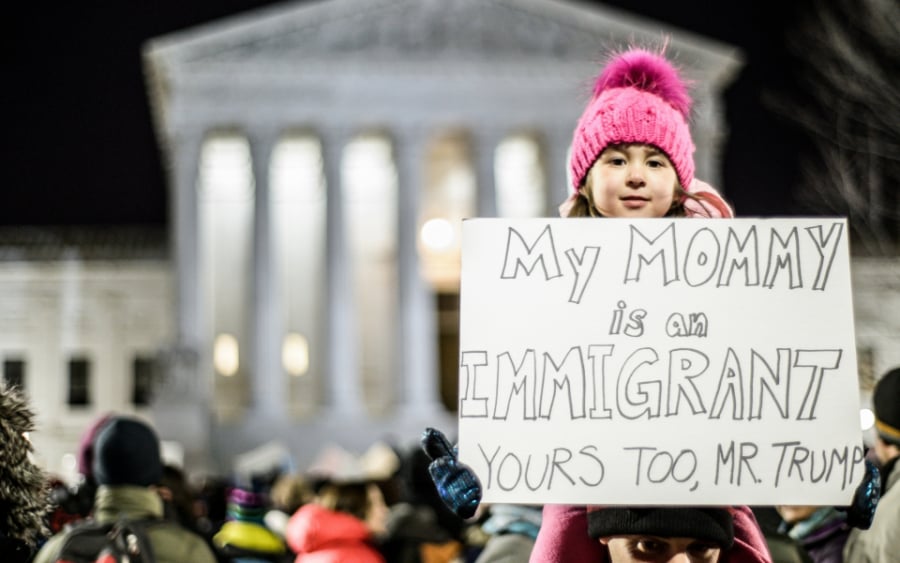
(639, 97)
(126, 452)
(648, 72)
(710, 524)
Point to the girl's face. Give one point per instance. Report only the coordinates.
(632, 180)
(652, 549)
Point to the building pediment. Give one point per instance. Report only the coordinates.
(397, 31)
(305, 59)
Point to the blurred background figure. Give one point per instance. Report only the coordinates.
(244, 537)
(512, 530)
(179, 499)
(881, 542)
(420, 528)
(23, 487)
(289, 492)
(821, 531)
(72, 503)
(128, 469)
(342, 523)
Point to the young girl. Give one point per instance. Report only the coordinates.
(632, 153)
(632, 156)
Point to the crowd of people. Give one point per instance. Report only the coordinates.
(632, 156)
(403, 518)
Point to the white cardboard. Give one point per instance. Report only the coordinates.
(659, 361)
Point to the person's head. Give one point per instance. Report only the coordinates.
(126, 452)
(86, 448)
(289, 492)
(795, 513)
(886, 403)
(632, 151)
(662, 534)
(361, 499)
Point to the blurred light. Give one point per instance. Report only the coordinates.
(437, 234)
(226, 358)
(69, 464)
(297, 170)
(866, 419)
(520, 177)
(295, 354)
(225, 168)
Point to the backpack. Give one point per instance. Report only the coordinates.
(122, 541)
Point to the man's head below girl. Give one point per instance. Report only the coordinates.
(662, 534)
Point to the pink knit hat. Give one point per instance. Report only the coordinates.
(639, 97)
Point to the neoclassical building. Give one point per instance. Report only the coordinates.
(321, 157)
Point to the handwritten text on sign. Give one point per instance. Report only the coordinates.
(659, 361)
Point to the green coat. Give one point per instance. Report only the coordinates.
(171, 543)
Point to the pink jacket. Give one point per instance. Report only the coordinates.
(563, 538)
(319, 535)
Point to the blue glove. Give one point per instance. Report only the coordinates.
(861, 511)
(456, 483)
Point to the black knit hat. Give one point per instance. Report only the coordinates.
(126, 452)
(886, 400)
(710, 524)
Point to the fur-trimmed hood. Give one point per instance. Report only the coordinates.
(23, 486)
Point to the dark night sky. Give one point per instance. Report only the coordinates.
(79, 148)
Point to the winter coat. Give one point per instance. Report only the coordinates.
(881, 542)
(248, 541)
(411, 529)
(512, 530)
(822, 535)
(170, 542)
(319, 535)
(564, 538)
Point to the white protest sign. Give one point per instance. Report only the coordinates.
(659, 361)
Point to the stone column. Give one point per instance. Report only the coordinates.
(341, 374)
(181, 408)
(417, 327)
(185, 244)
(484, 148)
(268, 388)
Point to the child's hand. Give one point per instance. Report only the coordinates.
(865, 500)
(456, 483)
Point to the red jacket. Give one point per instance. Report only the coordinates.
(563, 538)
(319, 535)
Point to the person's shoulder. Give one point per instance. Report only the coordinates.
(47, 551)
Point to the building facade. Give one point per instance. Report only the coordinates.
(322, 156)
